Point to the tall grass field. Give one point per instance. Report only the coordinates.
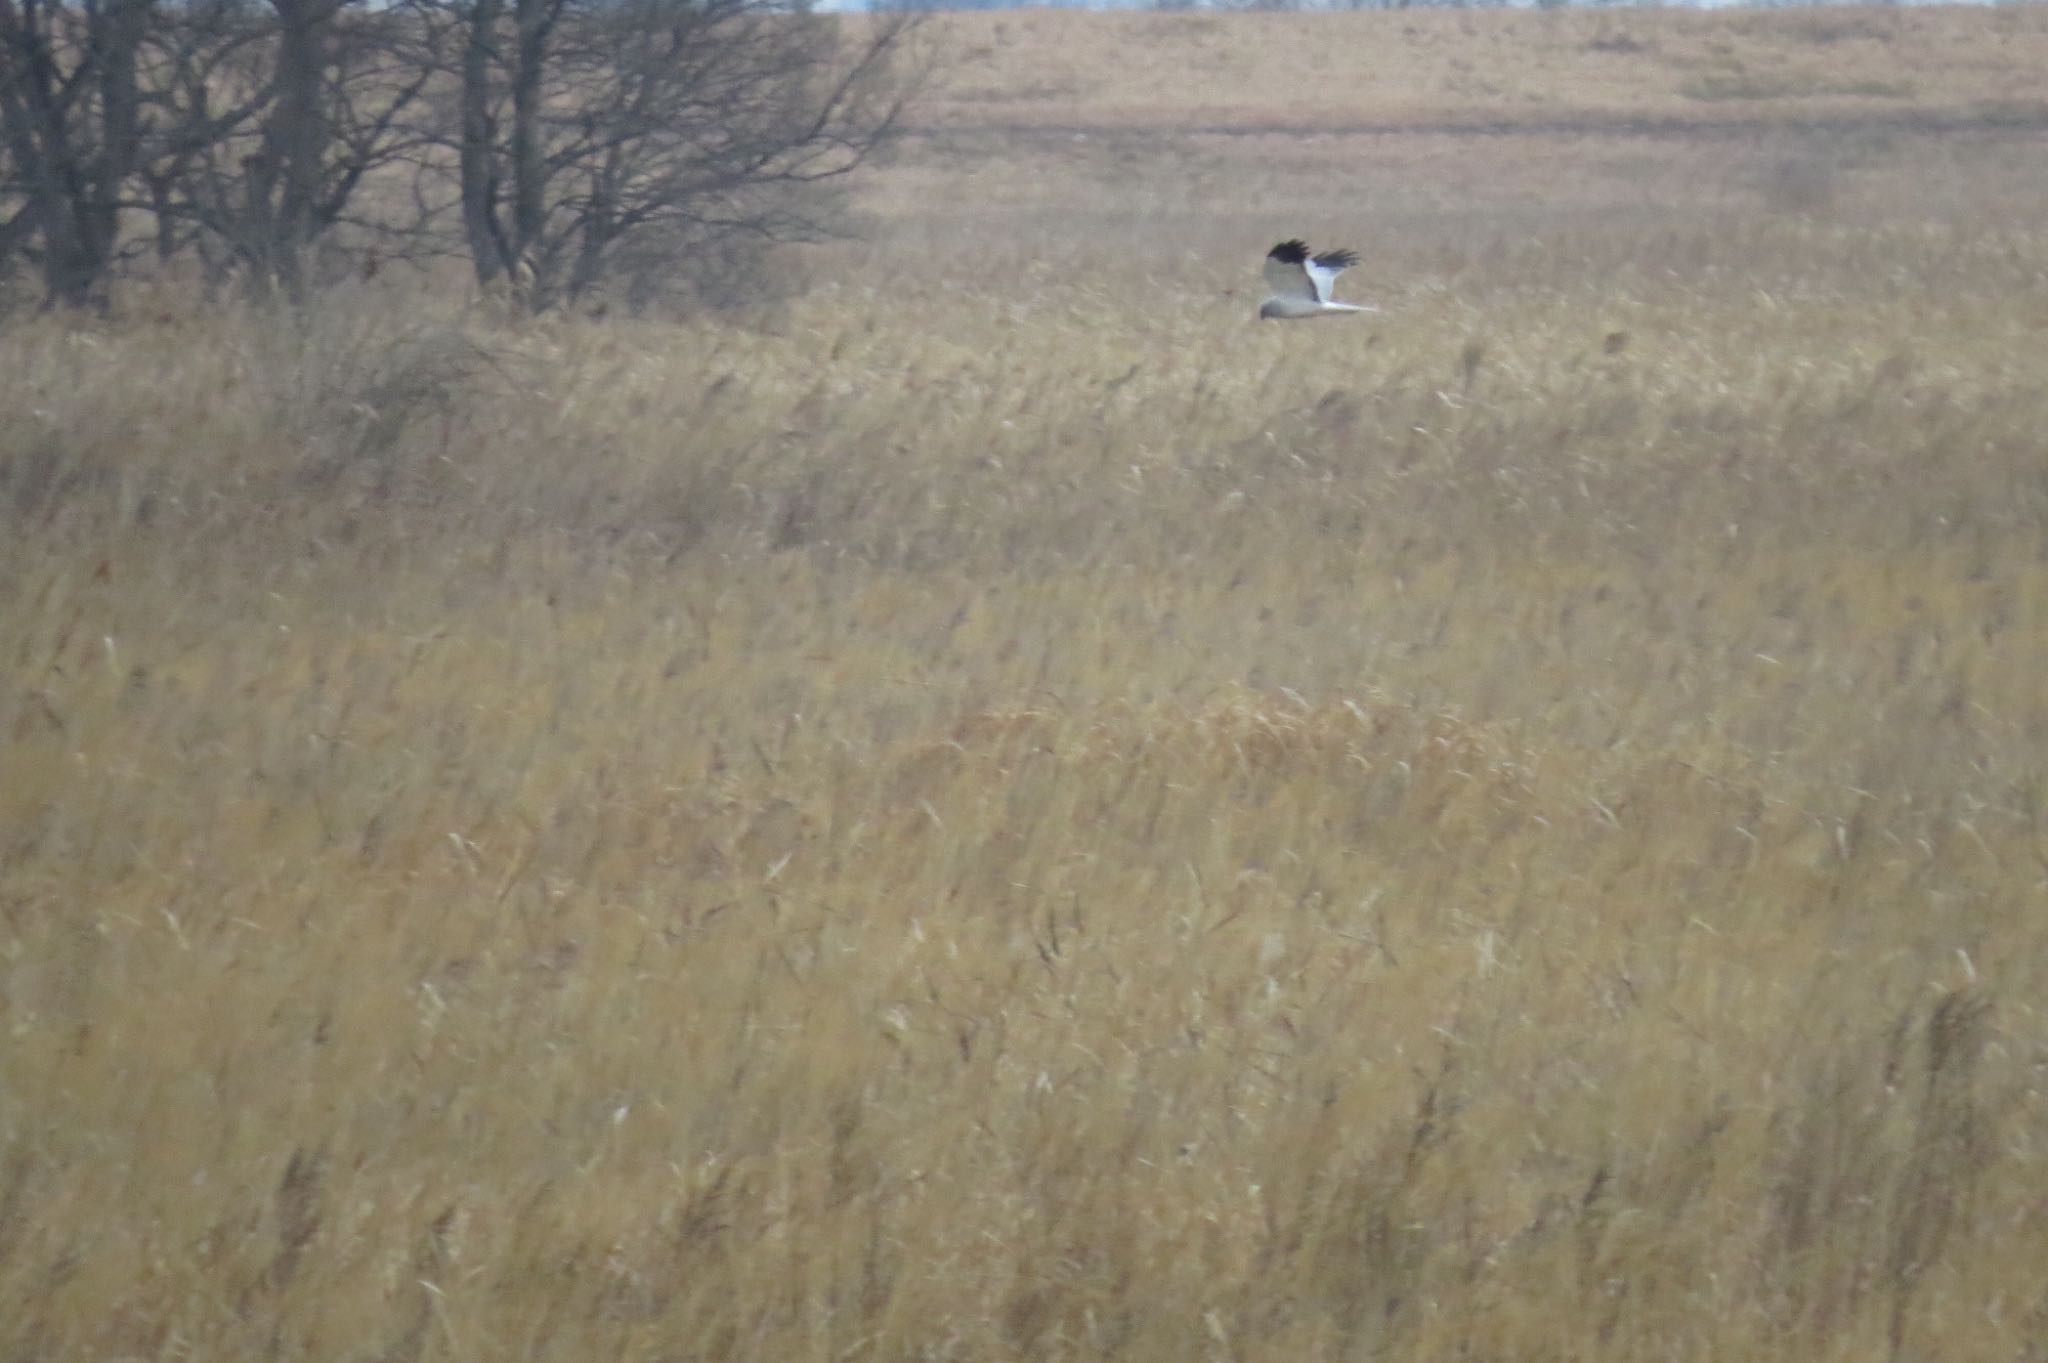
(988, 807)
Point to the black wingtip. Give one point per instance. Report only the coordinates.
(1337, 260)
(1290, 252)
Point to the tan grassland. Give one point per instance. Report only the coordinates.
(994, 809)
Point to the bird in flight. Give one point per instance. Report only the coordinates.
(1301, 284)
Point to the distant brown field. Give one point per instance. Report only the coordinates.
(1313, 72)
(997, 809)
(1203, 131)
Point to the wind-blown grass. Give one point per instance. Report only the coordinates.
(972, 823)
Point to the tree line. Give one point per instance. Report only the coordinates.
(556, 145)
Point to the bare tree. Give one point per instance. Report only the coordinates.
(70, 136)
(589, 128)
(272, 122)
(571, 136)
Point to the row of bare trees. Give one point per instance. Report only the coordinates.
(557, 144)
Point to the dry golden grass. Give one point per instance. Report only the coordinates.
(964, 820)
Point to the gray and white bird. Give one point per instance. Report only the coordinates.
(1301, 284)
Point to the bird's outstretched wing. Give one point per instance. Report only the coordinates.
(1287, 272)
(1324, 269)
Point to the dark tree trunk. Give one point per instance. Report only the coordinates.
(71, 119)
(477, 152)
(529, 174)
(295, 142)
